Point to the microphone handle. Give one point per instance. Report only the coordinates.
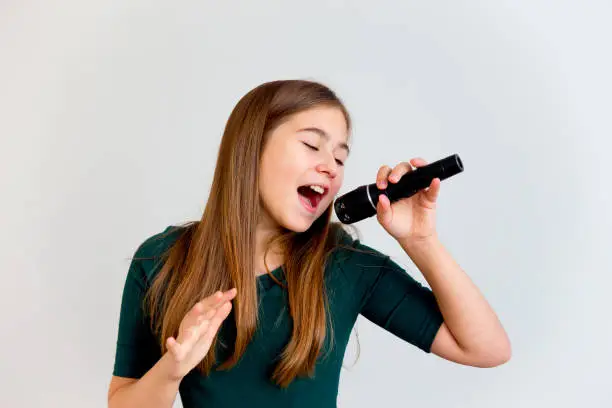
(365, 198)
(419, 178)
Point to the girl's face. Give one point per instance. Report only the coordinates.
(309, 149)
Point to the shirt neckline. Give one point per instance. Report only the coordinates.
(266, 282)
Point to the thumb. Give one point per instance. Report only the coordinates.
(431, 194)
(384, 212)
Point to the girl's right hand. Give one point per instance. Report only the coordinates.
(197, 331)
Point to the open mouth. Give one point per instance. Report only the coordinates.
(311, 195)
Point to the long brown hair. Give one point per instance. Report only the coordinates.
(217, 252)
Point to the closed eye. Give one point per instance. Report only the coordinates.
(310, 146)
(340, 163)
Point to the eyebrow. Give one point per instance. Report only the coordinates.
(325, 136)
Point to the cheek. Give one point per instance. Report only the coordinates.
(339, 179)
(336, 186)
(277, 181)
(278, 164)
(288, 159)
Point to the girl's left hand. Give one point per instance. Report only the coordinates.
(410, 219)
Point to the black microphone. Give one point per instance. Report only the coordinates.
(361, 203)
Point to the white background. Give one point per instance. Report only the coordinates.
(111, 113)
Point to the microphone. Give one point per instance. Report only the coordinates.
(360, 203)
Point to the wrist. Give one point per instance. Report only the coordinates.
(419, 244)
(169, 374)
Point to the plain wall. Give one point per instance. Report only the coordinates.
(111, 113)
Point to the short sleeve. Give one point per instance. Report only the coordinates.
(399, 304)
(137, 349)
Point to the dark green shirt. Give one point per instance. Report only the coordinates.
(357, 283)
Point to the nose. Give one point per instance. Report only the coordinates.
(331, 170)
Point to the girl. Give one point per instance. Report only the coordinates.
(253, 305)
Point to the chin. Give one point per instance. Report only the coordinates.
(297, 221)
(298, 226)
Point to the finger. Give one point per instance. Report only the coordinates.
(174, 348)
(418, 162)
(203, 333)
(200, 309)
(218, 310)
(194, 333)
(226, 297)
(215, 322)
(214, 300)
(204, 304)
(230, 294)
(384, 212)
(209, 314)
(399, 171)
(196, 312)
(195, 327)
(433, 191)
(381, 177)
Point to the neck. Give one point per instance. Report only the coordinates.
(274, 257)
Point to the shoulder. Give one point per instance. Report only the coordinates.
(152, 251)
(156, 245)
(350, 249)
(352, 258)
(355, 270)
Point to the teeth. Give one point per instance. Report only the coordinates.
(318, 189)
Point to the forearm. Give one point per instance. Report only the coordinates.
(154, 390)
(467, 314)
